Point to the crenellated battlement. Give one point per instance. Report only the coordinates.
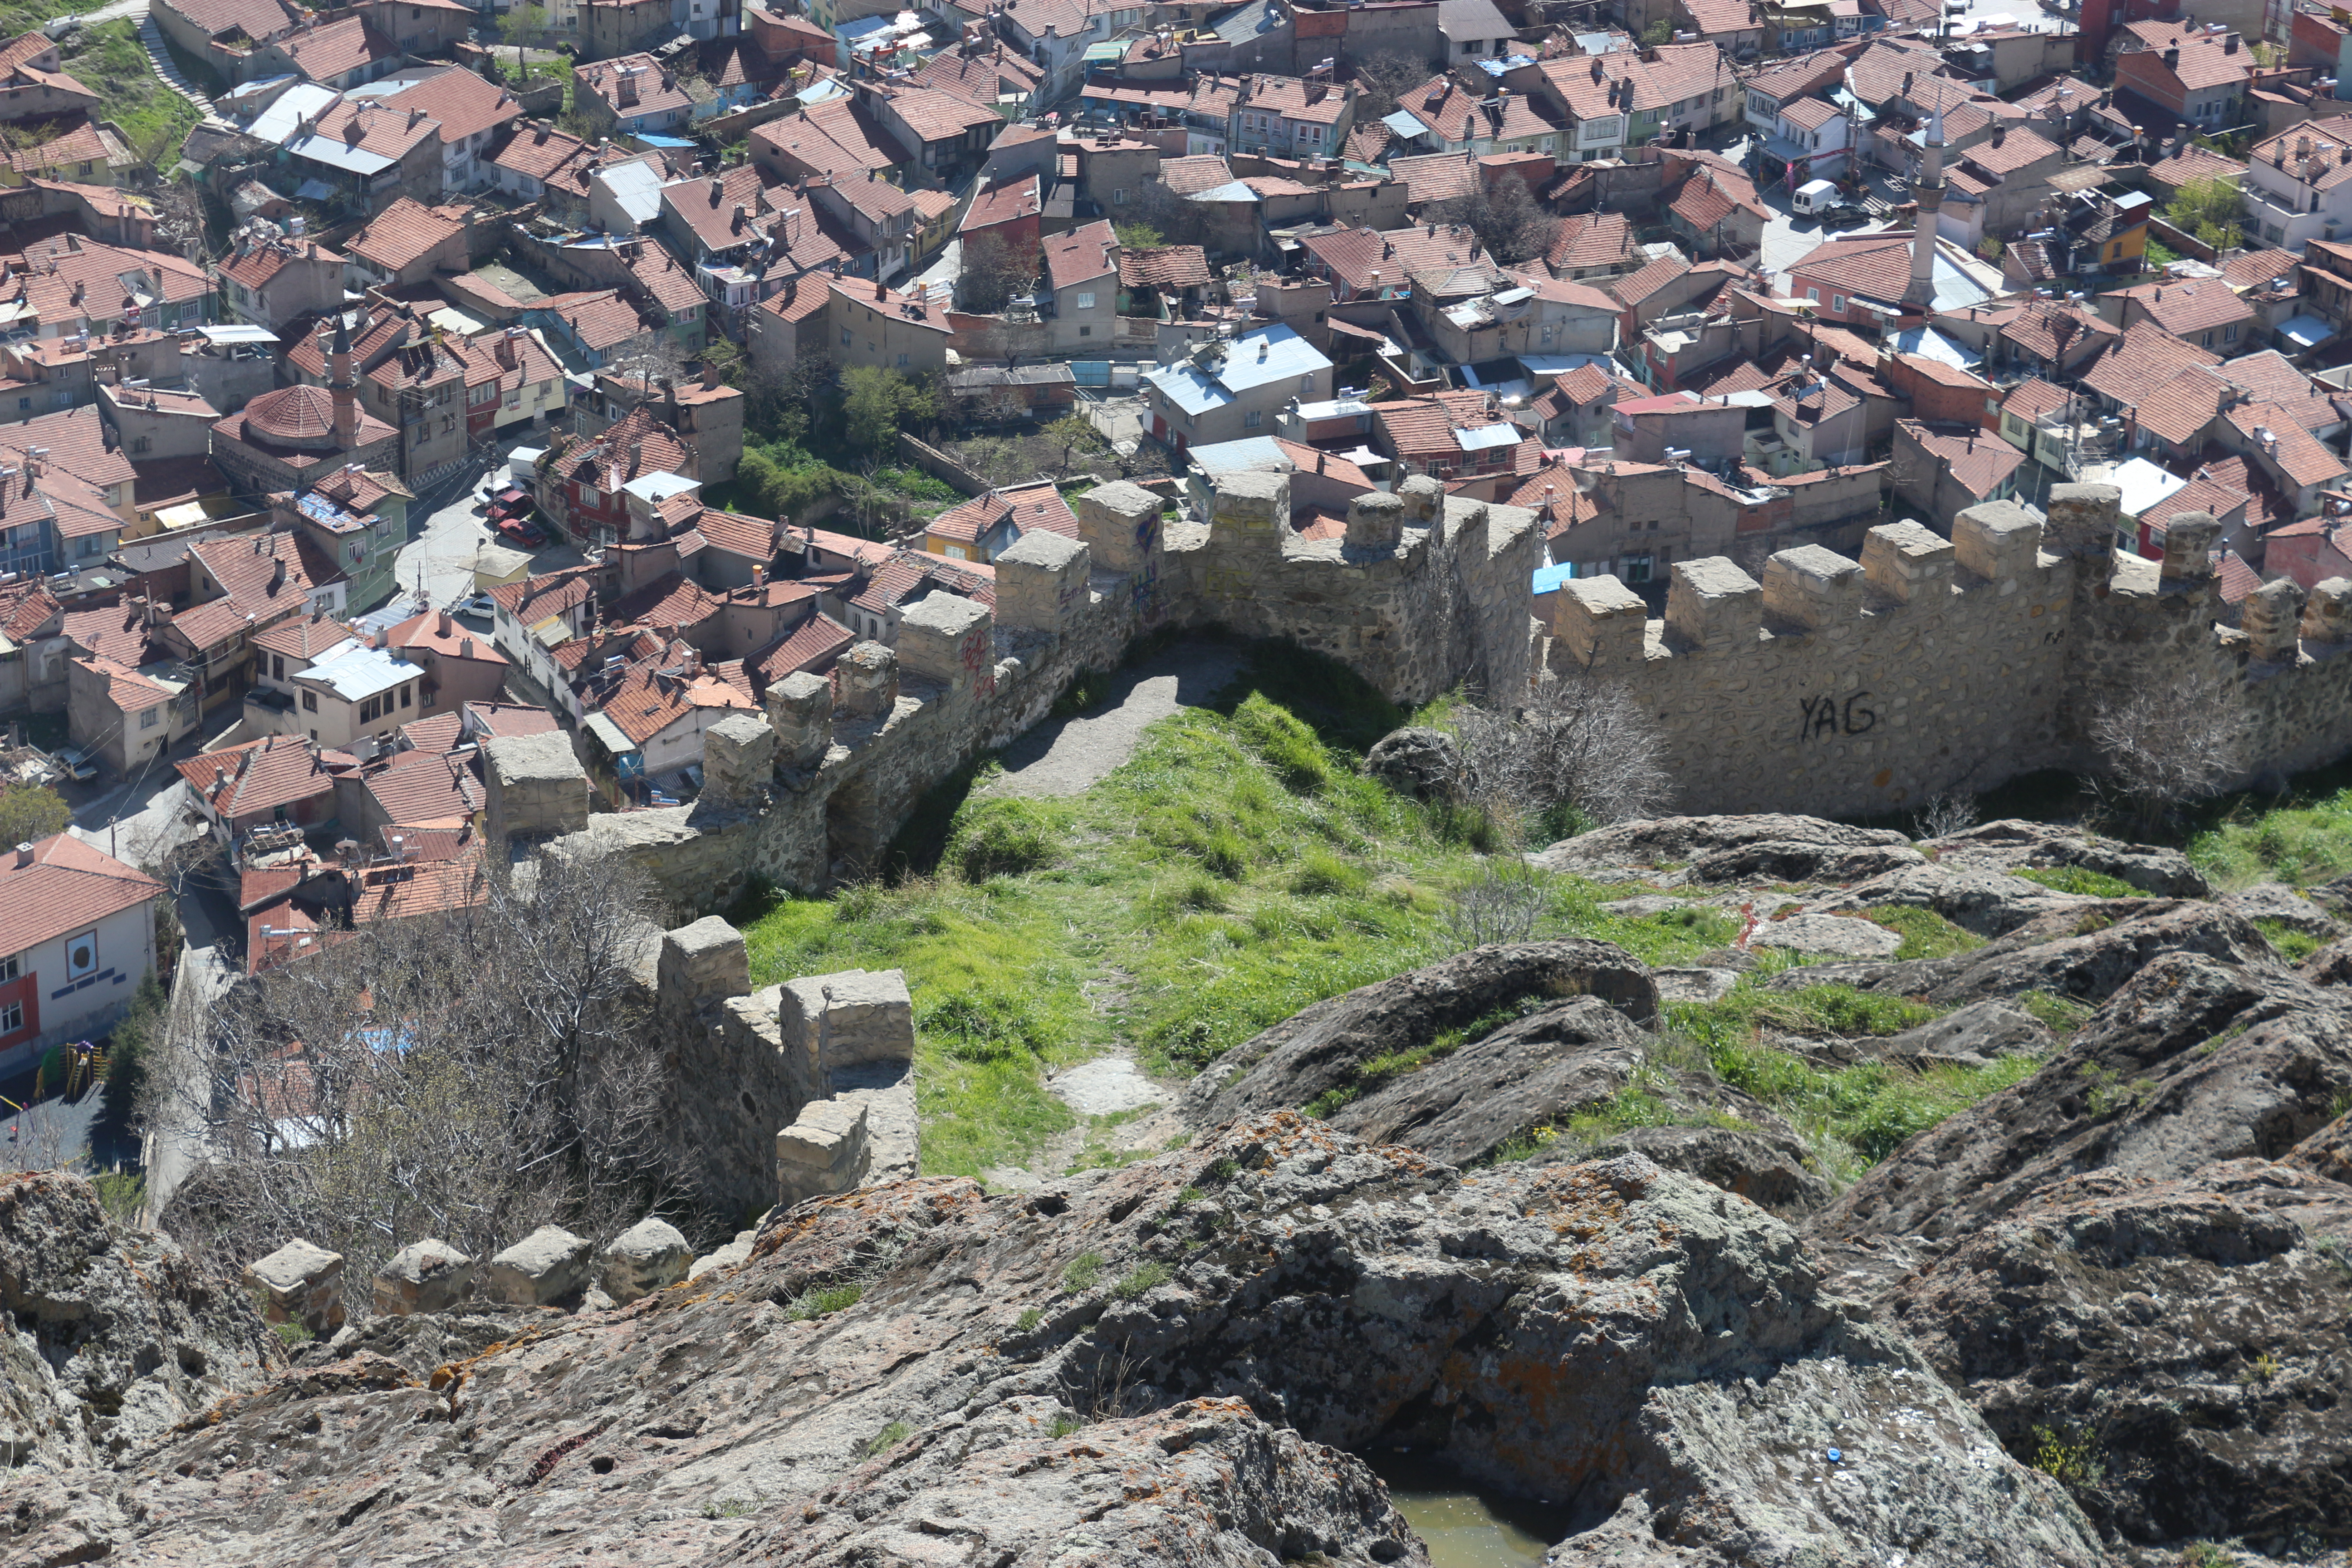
(1843, 685)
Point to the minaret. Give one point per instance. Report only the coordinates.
(341, 387)
(1929, 189)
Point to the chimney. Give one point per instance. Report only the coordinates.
(466, 647)
(2230, 45)
(24, 854)
(718, 189)
(276, 574)
(444, 625)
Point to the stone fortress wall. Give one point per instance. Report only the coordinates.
(1424, 592)
(1838, 687)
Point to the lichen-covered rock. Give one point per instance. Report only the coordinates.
(428, 1276)
(650, 1255)
(1833, 936)
(2084, 954)
(1972, 1035)
(2187, 1335)
(1323, 1049)
(1155, 1364)
(1680, 841)
(1976, 898)
(2278, 902)
(2193, 1061)
(2328, 1152)
(2012, 842)
(539, 1270)
(109, 1336)
(1763, 1161)
(1418, 762)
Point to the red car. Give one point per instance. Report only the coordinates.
(522, 531)
(511, 501)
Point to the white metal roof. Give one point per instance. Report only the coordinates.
(352, 672)
(1492, 436)
(304, 100)
(238, 333)
(636, 186)
(658, 488)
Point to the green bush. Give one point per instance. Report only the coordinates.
(2289, 943)
(2076, 879)
(1322, 873)
(1006, 838)
(887, 1438)
(1141, 1281)
(818, 1303)
(1083, 1272)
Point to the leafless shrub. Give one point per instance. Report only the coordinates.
(471, 1075)
(1581, 753)
(1946, 812)
(1508, 218)
(1502, 904)
(2170, 743)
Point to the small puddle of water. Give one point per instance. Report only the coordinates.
(1467, 1528)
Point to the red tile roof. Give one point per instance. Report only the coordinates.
(429, 789)
(1979, 461)
(538, 150)
(660, 90)
(66, 886)
(406, 231)
(1594, 239)
(2185, 307)
(1164, 267)
(1032, 507)
(259, 776)
(462, 102)
(1081, 257)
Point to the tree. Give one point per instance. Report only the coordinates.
(1581, 753)
(1506, 217)
(1076, 433)
(520, 25)
(1138, 235)
(1661, 31)
(1156, 205)
(1382, 80)
(379, 1091)
(877, 403)
(992, 272)
(28, 812)
(2210, 210)
(2167, 744)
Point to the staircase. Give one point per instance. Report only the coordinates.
(151, 38)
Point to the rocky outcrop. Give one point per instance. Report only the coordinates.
(2083, 954)
(1162, 1364)
(1756, 1156)
(1972, 1035)
(1324, 1049)
(109, 1336)
(2185, 1340)
(2010, 843)
(2193, 1061)
(1987, 902)
(1422, 763)
(2328, 1152)
(1702, 849)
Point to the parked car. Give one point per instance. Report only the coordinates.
(79, 764)
(474, 604)
(511, 501)
(522, 531)
(1843, 214)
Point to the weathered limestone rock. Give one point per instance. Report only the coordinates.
(426, 1276)
(731, 1256)
(2012, 842)
(866, 681)
(1422, 763)
(1830, 936)
(1968, 1037)
(1513, 1324)
(2277, 901)
(300, 1283)
(110, 1337)
(800, 712)
(649, 1256)
(533, 785)
(840, 1020)
(823, 1151)
(739, 756)
(1768, 846)
(539, 1270)
(1321, 1050)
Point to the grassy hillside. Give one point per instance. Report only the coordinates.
(111, 62)
(1235, 869)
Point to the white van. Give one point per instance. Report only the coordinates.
(1814, 195)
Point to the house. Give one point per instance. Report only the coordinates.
(1995, 187)
(2208, 313)
(2298, 185)
(354, 521)
(355, 693)
(873, 326)
(279, 653)
(269, 576)
(1610, 104)
(342, 55)
(535, 157)
(276, 782)
(469, 114)
(581, 481)
(563, 601)
(1811, 139)
(272, 281)
(357, 156)
(1717, 210)
(632, 95)
(2195, 73)
(1082, 276)
(530, 384)
(700, 410)
(1448, 435)
(125, 717)
(987, 526)
(1862, 278)
(1535, 314)
(76, 936)
(1474, 29)
(71, 284)
(1943, 470)
(34, 84)
(1226, 389)
(1286, 117)
(944, 135)
(408, 243)
(219, 32)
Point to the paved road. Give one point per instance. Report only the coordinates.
(1065, 756)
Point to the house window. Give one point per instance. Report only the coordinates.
(81, 956)
(1306, 383)
(2229, 333)
(405, 695)
(845, 337)
(1252, 419)
(1635, 569)
(9, 968)
(1085, 332)
(12, 1016)
(1118, 197)
(1814, 295)
(310, 705)
(278, 667)
(590, 495)
(1837, 303)
(1086, 301)
(150, 717)
(2206, 339)
(902, 362)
